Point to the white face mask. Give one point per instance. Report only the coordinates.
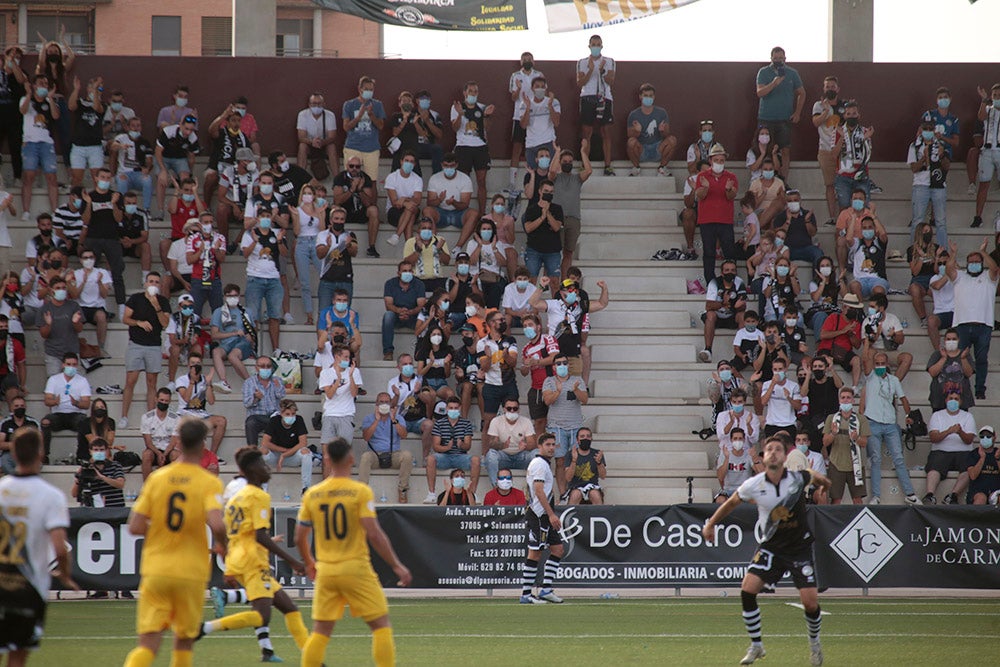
(232, 301)
(511, 416)
(384, 408)
(88, 263)
(152, 290)
(825, 271)
(951, 345)
(470, 311)
(718, 167)
(307, 199)
(436, 339)
(794, 206)
(505, 484)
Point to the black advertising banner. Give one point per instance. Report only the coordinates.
(617, 547)
(489, 15)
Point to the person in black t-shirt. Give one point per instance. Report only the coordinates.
(586, 470)
(99, 481)
(88, 136)
(355, 191)
(146, 315)
(102, 216)
(542, 222)
(135, 232)
(18, 419)
(288, 178)
(285, 442)
(227, 138)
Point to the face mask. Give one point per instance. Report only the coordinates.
(181, 101)
(486, 234)
(975, 268)
(802, 448)
(134, 134)
(337, 227)
(544, 162)
(340, 306)
(470, 311)
(858, 204)
(426, 234)
(780, 375)
(103, 184)
(530, 333)
(767, 174)
(505, 484)
(152, 290)
(737, 444)
(868, 234)
(738, 409)
(424, 103)
(406, 276)
(825, 271)
(872, 312)
(511, 416)
(819, 374)
(383, 408)
(316, 110)
(77, 202)
(881, 371)
(539, 93)
(468, 341)
(499, 208)
(794, 207)
(944, 102)
(340, 339)
(647, 101)
(566, 167)
(59, 295)
(996, 104)
(570, 297)
(449, 172)
(265, 373)
(407, 167)
(57, 264)
(131, 208)
(718, 167)
(751, 328)
(20, 412)
(242, 112)
(288, 420)
(927, 135)
(88, 263)
(407, 370)
(307, 199)
(952, 405)
(232, 301)
(197, 369)
(436, 339)
(458, 482)
(69, 371)
(791, 323)
(446, 305)
(986, 441)
(41, 91)
(846, 407)
(367, 94)
(265, 223)
(707, 136)
(99, 456)
(266, 188)
(454, 414)
(851, 122)
(188, 198)
(595, 51)
(187, 311)
(562, 371)
(345, 364)
(927, 237)
(725, 375)
(782, 270)
(951, 345)
(116, 106)
(521, 284)
(585, 444)
(471, 99)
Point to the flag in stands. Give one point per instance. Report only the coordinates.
(566, 15)
(437, 14)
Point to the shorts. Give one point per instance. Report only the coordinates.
(241, 344)
(449, 218)
(86, 157)
(257, 580)
(650, 152)
(924, 281)
(178, 165)
(518, 135)
(357, 216)
(540, 532)
(413, 426)
(536, 406)
(349, 583)
(494, 395)
(23, 614)
(131, 252)
(944, 462)
(869, 283)
(569, 233)
(178, 286)
(393, 215)
(781, 131)
(170, 602)
(147, 358)
(989, 164)
(945, 319)
(268, 290)
(453, 460)
(827, 165)
(771, 567)
(596, 111)
(771, 429)
(534, 260)
(37, 155)
(840, 479)
(90, 314)
(723, 322)
(472, 157)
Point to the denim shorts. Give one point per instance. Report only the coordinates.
(448, 218)
(39, 154)
(178, 165)
(534, 261)
(86, 157)
(238, 343)
(450, 460)
(414, 426)
(650, 152)
(868, 283)
(268, 289)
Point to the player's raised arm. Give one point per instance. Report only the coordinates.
(383, 547)
(64, 569)
(708, 532)
(265, 540)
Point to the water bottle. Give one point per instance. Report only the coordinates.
(383, 498)
(287, 498)
(905, 323)
(693, 324)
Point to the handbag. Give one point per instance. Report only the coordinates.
(290, 373)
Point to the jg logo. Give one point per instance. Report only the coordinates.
(866, 545)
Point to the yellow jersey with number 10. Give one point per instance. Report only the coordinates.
(246, 512)
(334, 508)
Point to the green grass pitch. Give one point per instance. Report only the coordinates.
(498, 631)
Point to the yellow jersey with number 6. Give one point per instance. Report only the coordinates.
(246, 512)
(177, 499)
(334, 508)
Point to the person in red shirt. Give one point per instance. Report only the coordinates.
(841, 335)
(505, 493)
(13, 372)
(209, 461)
(183, 206)
(715, 191)
(536, 358)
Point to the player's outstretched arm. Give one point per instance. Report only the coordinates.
(64, 569)
(265, 540)
(708, 532)
(383, 547)
(820, 480)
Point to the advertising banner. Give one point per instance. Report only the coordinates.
(566, 15)
(437, 14)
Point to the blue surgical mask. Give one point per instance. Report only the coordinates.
(42, 91)
(103, 184)
(133, 134)
(116, 106)
(944, 102)
(59, 294)
(927, 135)
(449, 172)
(521, 284)
(530, 333)
(782, 270)
(340, 307)
(868, 234)
(445, 305)
(570, 297)
(265, 223)
(99, 456)
(407, 370)
(69, 371)
(424, 103)
(707, 136)
(499, 208)
(266, 188)
(453, 414)
(647, 101)
(996, 104)
(872, 312)
(471, 99)
(942, 269)
(767, 174)
(595, 51)
(407, 167)
(779, 376)
(187, 311)
(846, 407)
(181, 101)
(952, 405)
(367, 94)
(544, 162)
(975, 268)
(738, 409)
(426, 234)
(187, 197)
(265, 373)
(858, 204)
(77, 202)
(802, 448)
(562, 371)
(406, 276)
(463, 269)
(778, 241)
(131, 208)
(345, 364)
(288, 420)
(986, 441)
(725, 375)
(486, 234)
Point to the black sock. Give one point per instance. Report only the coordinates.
(813, 622)
(751, 616)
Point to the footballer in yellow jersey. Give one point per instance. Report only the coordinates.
(339, 514)
(176, 502)
(248, 527)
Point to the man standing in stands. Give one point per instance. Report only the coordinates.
(781, 95)
(974, 304)
(715, 191)
(595, 75)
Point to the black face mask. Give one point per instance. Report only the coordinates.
(46, 265)
(337, 228)
(502, 327)
(469, 342)
(566, 167)
(340, 340)
(927, 238)
(20, 412)
(527, 65)
(45, 232)
(3, 334)
(547, 196)
(56, 264)
(819, 375)
(53, 57)
(197, 369)
(851, 122)
(729, 277)
(100, 413)
(830, 95)
(162, 407)
(585, 444)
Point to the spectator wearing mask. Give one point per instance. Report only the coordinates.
(340, 384)
(451, 444)
(504, 232)
(950, 368)
(175, 261)
(734, 465)
(983, 469)
(781, 95)
(467, 371)
(236, 186)
(587, 467)
(800, 227)
(289, 179)
(510, 441)
(427, 252)
(67, 394)
(537, 356)
(13, 367)
(403, 126)
(487, 262)
(543, 221)
(762, 149)
(384, 433)
(504, 492)
(520, 81)
(87, 151)
(715, 191)
(497, 360)
(943, 295)
(67, 221)
(929, 160)
(459, 287)
(159, 434)
(61, 322)
(99, 481)
(989, 155)
(18, 419)
(878, 403)
(566, 195)
(751, 226)
(284, 442)
(404, 299)
(263, 247)
(564, 394)
(469, 120)
(176, 147)
(308, 218)
(195, 393)
(794, 338)
(594, 76)
(262, 394)
(922, 258)
(689, 215)
(747, 344)
(769, 193)
(780, 395)
(316, 127)
(363, 118)
(40, 110)
(725, 305)
(205, 252)
(845, 436)
(403, 194)
(781, 290)
(975, 293)
(515, 303)
(858, 210)
(736, 417)
(882, 331)
(774, 348)
(827, 117)
(952, 432)
(340, 313)
(649, 138)
(434, 360)
(89, 287)
(868, 258)
(146, 316)
(821, 387)
(826, 289)
(538, 112)
(412, 402)
(457, 492)
(235, 336)
(853, 147)
(98, 425)
(354, 192)
(102, 216)
(336, 250)
(185, 334)
(227, 137)
(567, 320)
(132, 160)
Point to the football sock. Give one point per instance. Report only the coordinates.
(244, 619)
(813, 622)
(264, 638)
(296, 627)
(237, 596)
(312, 652)
(140, 656)
(529, 570)
(751, 616)
(182, 658)
(383, 647)
(551, 571)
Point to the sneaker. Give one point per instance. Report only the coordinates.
(223, 386)
(288, 318)
(372, 252)
(972, 189)
(977, 221)
(923, 322)
(662, 171)
(431, 498)
(929, 499)
(121, 312)
(705, 356)
(951, 499)
(876, 500)
(692, 253)
(387, 356)
(172, 386)
(609, 171)
(634, 171)
(126, 595)
(269, 656)
(549, 595)
(122, 423)
(26, 216)
(218, 601)
(232, 247)
(531, 599)
(912, 499)
(981, 395)
(393, 240)
(111, 389)
(755, 652)
(276, 353)
(829, 222)
(815, 655)
(875, 189)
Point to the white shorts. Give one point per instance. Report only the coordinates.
(989, 164)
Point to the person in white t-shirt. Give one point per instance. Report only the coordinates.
(67, 394)
(781, 397)
(339, 384)
(953, 433)
(595, 75)
(317, 132)
(404, 191)
(469, 120)
(263, 248)
(520, 81)
(7, 204)
(449, 193)
(516, 296)
(88, 287)
(538, 112)
(827, 116)
(943, 294)
(975, 296)
(179, 278)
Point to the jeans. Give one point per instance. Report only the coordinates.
(60, 421)
(807, 253)
(391, 322)
(845, 185)
(923, 196)
(305, 257)
(326, 290)
(136, 180)
(11, 127)
(565, 439)
(254, 426)
(112, 249)
(533, 261)
(200, 292)
(977, 336)
(713, 233)
(817, 323)
(889, 435)
(496, 459)
(268, 290)
(432, 152)
(303, 459)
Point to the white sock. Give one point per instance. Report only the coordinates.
(264, 638)
(145, 274)
(513, 174)
(237, 596)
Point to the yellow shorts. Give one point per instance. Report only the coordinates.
(351, 583)
(257, 579)
(169, 602)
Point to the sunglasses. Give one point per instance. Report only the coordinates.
(190, 119)
(512, 409)
(504, 477)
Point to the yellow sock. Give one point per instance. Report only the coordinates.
(244, 619)
(314, 649)
(140, 656)
(293, 621)
(181, 658)
(383, 647)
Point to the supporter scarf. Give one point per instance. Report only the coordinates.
(853, 427)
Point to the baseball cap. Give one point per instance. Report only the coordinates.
(468, 327)
(185, 297)
(462, 255)
(441, 409)
(987, 429)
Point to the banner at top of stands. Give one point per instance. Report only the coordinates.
(488, 15)
(566, 15)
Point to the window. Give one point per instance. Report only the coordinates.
(78, 29)
(294, 37)
(216, 36)
(166, 35)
